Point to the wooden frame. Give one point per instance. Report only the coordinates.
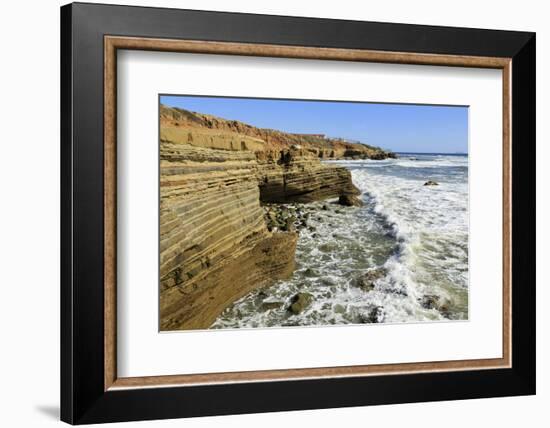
(113, 43)
(513, 53)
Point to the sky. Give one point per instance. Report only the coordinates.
(397, 127)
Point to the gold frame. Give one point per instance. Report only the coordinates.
(113, 43)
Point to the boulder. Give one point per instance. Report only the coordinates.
(350, 201)
(299, 302)
(433, 301)
(431, 183)
(339, 309)
(367, 280)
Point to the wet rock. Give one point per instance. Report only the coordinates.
(367, 280)
(399, 291)
(327, 281)
(375, 315)
(371, 315)
(288, 225)
(267, 305)
(309, 272)
(299, 302)
(338, 309)
(433, 301)
(431, 183)
(429, 301)
(350, 201)
(327, 247)
(324, 207)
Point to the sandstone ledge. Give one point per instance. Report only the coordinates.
(197, 303)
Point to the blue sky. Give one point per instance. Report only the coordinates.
(398, 127)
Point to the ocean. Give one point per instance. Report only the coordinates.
(401, 257)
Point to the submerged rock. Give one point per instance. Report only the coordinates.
(367, 280)
(267, 305)
(429, 301)
(375, 314)
(310, 272)
(338, 308)
(431, 183)
(299, 302)
(433, 301)
(372, 315)
(350, 201)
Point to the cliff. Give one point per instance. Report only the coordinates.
(221, 133)
(215, 246)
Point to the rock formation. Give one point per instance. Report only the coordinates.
(350, 201)
(180, 125)
(215, 246)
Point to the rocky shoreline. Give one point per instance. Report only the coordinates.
(318, 225)
(223, 232)
(295, 218)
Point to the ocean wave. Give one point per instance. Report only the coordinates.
(430, 223)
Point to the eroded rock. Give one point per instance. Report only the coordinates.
(350, 201)
(299, 302)
(367, 280)
(433, 301)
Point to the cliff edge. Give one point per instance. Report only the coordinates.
(215, 246)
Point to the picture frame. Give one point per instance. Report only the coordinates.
(91, 35)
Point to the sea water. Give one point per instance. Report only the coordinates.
(415, 236)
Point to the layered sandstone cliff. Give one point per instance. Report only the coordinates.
(182, 125)
(215, 246)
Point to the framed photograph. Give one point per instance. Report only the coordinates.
(266, 213)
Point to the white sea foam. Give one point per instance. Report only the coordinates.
(417, 235)
(430, 224)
